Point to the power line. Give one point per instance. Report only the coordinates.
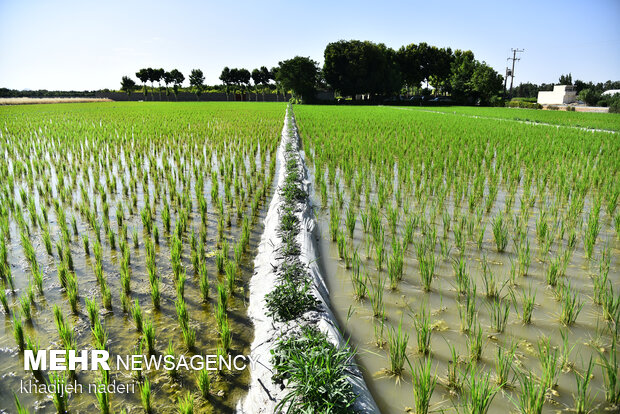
(511, 72)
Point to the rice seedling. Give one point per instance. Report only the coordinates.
(532, 395)
(59, 397)
(583, 399)
(136, 314)
(422, 324)
(571, 305)
(204, 383)
(100, 336)
(19, 407)
(610, 369)
(461, 275)
(549, 362)
(186, 404)
(18, 331)
(424, 383)
(3, 299)
(480, 392)
(376, 298)
(503, 365)
(397, 349)
(474, 342)
(149, 336)
(92, 310)
(499, 311)
(500, 233)
(103, 398)
(26, 307)
(427, 269)
(145, 396)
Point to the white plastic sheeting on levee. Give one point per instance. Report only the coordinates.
(263, 395)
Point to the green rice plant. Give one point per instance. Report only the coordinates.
(480, 392)
(342, 245)
(186, 404)
(180, 284)
(499, 311)
(453, 377)
(474, 342)
(47, 241)
(549, 362)
(134, 237)
(532, 395)
(571, 305)
(125, 302)
(488, 279)
(19, 407)
(610, 304)
(593, 227)
(37, 276)
(72, 292)
(103, 398)
(334, 222)
(92, 309)
(204, 383)
(424, 383)
(18, 331)
(583, 399)
(149, 336)
(100, 336)
(500, 233)
(145, 396)
(503, 365)
(155, 294)
(189, 336)
(395, 266)
(59, 396)
(350, 220)
(553, 273)
(528, 301)
(461, 275)
(225, 336)
(136, 314)
(376, 298)
(204, 281)
(220, 261)
(26, 307)
(3, 299)
(468, 313)
(397, 349)
(106, 295)
(422, 323)
(427, 264)
(379, 254)
(610, 368)
(524, 258)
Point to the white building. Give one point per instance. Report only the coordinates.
(611, 92)
(561, 94)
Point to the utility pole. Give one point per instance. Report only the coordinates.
(514, 58)
(506, 80)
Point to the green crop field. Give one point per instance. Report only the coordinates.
(605, 121)
(131, 227)
(474, 263)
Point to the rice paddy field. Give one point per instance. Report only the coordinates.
(473, 262)
(131, 227)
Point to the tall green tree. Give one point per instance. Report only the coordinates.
(177, 80)
(486, 83)
(462, 68)
(244, 77)
(143, 75)
(300, 75)
(257, 78)
(168, 79)
(196, 81)
(127, 85)
(354, 67)
(226, 80)
(565, 79)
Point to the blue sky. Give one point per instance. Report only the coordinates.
(68, 44)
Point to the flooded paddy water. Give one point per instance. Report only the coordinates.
(353, 168)
(99, 177)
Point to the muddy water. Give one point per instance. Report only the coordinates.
(393, 395)
(227, 386)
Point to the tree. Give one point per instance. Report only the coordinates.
(299, 75)
(143, 75)
(127, 85)
(274, 77)
(168, 79)
(196, 81)
(486, 82)
(244, 77)
(266, 77)
(257, 77)
(566, 79)
(355, 67)
(438, 71)
(177, 80)
(462, 70)
(589, 96)
(226, 80)
(153, 77)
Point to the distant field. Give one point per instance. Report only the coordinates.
(575, 119)
(24, 101)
